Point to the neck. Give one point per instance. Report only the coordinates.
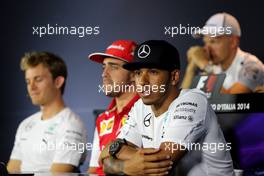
(123, 100)
(51, 109)
(163, 105)
(225, 65)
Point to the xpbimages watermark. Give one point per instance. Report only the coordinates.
(66, 146)
(210, 147)
(213, 31)
(83, 147)
(79, 31)
(131, 88)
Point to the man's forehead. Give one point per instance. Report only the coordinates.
(151, 68)
(39, 70)
(211, 38)
(110, 60)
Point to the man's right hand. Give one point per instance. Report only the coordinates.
(14, 166)
(148, 161)
(199, 56)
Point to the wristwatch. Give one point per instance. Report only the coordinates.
(115, 147)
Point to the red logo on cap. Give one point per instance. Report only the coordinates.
(121, 49)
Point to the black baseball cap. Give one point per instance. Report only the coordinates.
(155, 54)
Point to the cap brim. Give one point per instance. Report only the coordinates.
(138, 65)
(205, 32)
(99, 57)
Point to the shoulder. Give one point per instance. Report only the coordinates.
(32, 118)
(102, 116)
(71, 119)
(247, 56)
(194, 94)
(251, 68)
(28, 122)
(190, 100)
(248, 59)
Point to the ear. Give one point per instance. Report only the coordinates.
(59, 81)
(235, 41)
(175, 77)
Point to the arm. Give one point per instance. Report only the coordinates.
(15, 161)
(197, 58)
(132, 161)
(124, 154)
(13, 166)
(146, 161)
(175, 151)
(178, 133)
(249, 77)
(58, 167)
(259, 89)
(91, 170)
(113, 165)
(66, 158)
(237, 88)
(95, 154)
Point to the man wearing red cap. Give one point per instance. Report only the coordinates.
(116, 81)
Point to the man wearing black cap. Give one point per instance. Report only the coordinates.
(167, 126)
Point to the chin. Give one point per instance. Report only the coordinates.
(147, 101)
(216, 61)
(36, 103)
(112, 94)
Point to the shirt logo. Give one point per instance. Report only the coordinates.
(147, 120)
(143, 51)
(29, 126)
(52, 127)
(106, 126)
(119, 47)
(147, 137)
(189, 117)
(121, 124)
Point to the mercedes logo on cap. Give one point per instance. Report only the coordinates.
(143, 51)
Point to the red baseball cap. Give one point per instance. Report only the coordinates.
(120, 49)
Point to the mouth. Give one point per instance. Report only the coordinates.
(144, 94)
(107, 82)
(211, 56)
(34, 94)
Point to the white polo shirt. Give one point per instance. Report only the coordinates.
(245, 69)
(189, 121)
(39, 143)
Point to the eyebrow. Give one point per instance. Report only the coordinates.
(112, 63)
(35, 77)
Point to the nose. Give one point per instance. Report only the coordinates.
(207, 48)
(105, 72)
(31, 85)
(143, 79)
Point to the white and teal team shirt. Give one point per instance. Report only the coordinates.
(189, 121)
(60, 139)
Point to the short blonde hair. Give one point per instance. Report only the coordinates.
(54, 63)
